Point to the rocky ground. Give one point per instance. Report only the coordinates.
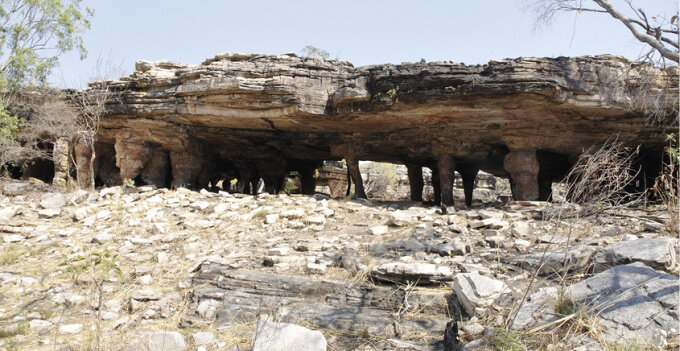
(154, 269)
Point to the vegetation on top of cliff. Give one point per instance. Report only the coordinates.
(33, 33)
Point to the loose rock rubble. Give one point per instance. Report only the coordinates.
(219, 271)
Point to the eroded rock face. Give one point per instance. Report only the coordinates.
(262, 116)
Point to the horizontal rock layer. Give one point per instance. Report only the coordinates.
(268, 114)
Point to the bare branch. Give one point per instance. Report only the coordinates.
(643, 37)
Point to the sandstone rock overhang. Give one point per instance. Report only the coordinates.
(250, 114)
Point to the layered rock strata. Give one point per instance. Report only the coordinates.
(258, 116)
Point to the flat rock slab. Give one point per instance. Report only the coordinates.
(556, 260)
(159, 341)
(417, 273)
(272, 336)
(633, 301)
(475, 290)
(231, 297)
(658, 253)
(537, 309)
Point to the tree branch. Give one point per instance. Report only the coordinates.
(643, 37)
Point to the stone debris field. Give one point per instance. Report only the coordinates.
(140, 268)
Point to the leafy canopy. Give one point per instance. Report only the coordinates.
(33, 33)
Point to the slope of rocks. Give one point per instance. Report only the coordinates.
(200, 269)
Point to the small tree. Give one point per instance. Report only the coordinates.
(33, 33)
(311, 51)
(90, 106)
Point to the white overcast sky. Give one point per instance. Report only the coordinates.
(360, 31)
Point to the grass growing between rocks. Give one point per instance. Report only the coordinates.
(11, 253)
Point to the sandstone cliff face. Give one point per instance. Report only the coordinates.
(260, 116)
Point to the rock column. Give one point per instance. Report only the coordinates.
(307, 180)
(468, 173)
(131, 156)
(186, 167)
(347, 152)
(415, 180)
(355, 173)
(60, 152)
(446, 166)
(83, 152)
(436, 185)
(522, 165)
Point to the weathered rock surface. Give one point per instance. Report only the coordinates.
(257, 116)
(238, 296)
(423, 273)
(556, 260)
(474, 291)
(658, 253)
(159, 341)
(272, 336)
(633, 301)
(192, 262)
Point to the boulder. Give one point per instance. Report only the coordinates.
(474, 290)
(272, 336)
(159, 341)
(53, 200)
(658, 253)
(556, 260)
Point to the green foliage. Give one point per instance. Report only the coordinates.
(290, 187)
(10, 254)
(129, 182)
(311, 51)
(101, 264)
(673, 149)
(14, 330)
(34, 33)
(261, 213)
(9, 124)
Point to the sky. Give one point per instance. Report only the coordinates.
(363, 32)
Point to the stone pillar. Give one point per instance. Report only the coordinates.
(355, 173)
(243, 184)
(60, 151)
(83, 152)
(307, 180)
(186, 167)
(468, 173)
(436, 185)
(349, 183)
(446, 166)
(348, 152)
(273, 183)
(131, 155)
(156, 170)
(522, 165)
(415, 181)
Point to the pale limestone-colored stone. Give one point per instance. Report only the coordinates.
(475, 290)
(293, 213)
(70, 328)
(53, 200)
(270, 336)
(203, 338)
(13, 238)
(49, 213)
(378, 230)
(271, 218)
